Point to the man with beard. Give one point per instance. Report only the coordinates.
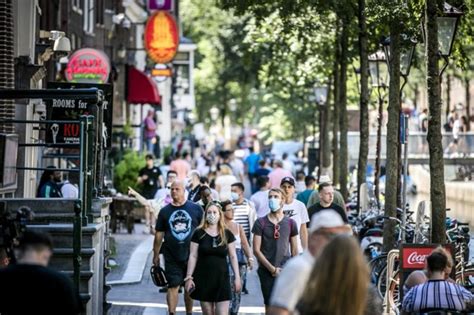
(175, 225)
(49, 184)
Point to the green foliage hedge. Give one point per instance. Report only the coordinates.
(126, 171)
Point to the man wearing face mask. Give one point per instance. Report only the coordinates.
(275, 236)
(244, 209)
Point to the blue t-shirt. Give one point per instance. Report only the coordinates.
(252, 162)
(262, 172)
(304, 196)
(178, 224)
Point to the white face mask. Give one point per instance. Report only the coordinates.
(212, 218)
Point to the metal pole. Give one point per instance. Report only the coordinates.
(90, 94)
(405, 174)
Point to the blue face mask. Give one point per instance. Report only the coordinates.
(274, 204)
(234, 196)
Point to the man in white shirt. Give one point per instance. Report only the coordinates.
(295, 210)
(260, 198)
(69, 189)
(291, 282)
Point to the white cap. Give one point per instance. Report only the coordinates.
(325, 219)
(324, 179)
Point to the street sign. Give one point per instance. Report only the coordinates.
(166, 72)
(62, 109)
(163, 5)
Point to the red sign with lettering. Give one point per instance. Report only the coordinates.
(414, 257)
(88, 65)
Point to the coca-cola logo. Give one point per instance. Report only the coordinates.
(415, 258)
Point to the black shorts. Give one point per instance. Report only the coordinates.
(266, 284)
(175, 271)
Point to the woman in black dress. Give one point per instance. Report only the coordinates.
(207, 278)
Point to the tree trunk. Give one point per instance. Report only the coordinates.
(335, 112)
(391, 175)
(364, 101)
(343, 120)
(467, 86)
(378, 148)
(437, 188)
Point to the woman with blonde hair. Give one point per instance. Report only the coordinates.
(207, 277)
(339, 281)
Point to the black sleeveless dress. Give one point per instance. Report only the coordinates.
(211, 275)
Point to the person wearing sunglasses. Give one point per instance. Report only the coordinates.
(275, 237)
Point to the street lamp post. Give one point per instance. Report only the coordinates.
(321, 96)
(406, 58)
(378, 71)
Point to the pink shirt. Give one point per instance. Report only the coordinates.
(181, 167)
(277, 175)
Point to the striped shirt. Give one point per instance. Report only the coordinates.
(436, 295)
(243, 215)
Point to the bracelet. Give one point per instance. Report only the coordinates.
(188, 278)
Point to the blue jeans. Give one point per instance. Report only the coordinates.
(150, 146)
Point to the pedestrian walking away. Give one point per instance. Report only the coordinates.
(252, 162)
(207, 277)
(339, 281)
(277, 174)
(244, 254)
(274, 242)
(295, 210)
(224, 181)
(30, 287)
(181, 166)
(260, 198)
(437, 293)
(304, 196)
(175, 225)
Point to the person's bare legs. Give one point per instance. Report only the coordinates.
(172, 299)
(222, 308)
(207, 308)
(188, 302)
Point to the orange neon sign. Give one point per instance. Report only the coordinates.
(161, 37)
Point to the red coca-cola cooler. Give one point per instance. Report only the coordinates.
(413, 257)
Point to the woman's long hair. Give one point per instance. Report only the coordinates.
(221, 227)
(339, 281)
(45, 177)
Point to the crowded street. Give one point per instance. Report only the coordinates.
(236, 157)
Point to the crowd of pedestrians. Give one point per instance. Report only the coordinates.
(293, 229)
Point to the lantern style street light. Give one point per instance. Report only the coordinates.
(320, 92)
(407, 52)
(378, 69)
(448, 23)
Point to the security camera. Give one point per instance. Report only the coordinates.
(62, 44)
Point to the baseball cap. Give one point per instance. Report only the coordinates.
(289, 180)
(324, 179)
(325, 219)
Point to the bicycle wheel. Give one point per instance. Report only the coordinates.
(382, 281)
(394, 290)
(376, 265)
(466, 278)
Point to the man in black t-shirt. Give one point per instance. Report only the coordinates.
(29, 287)
(150, 178)
(175, 225)
(326, 201)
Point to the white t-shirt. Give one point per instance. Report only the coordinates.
(290, 284)
(224, 182)
(298, 212)
(260, 200)
(69, 190)
(238, 167)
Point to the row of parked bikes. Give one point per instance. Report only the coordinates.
(369, 225)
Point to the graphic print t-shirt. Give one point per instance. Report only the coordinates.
(178, 224)
(297, 211)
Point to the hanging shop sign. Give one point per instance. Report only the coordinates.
(164, 5)
(67, 109)
(161, 37)
(88, 65)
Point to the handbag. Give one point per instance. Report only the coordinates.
(158, 276)
(241, 259)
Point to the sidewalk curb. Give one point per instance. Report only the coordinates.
(136, 264)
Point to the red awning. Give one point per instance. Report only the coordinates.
(141, 88)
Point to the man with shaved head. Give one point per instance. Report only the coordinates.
(175, 225)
